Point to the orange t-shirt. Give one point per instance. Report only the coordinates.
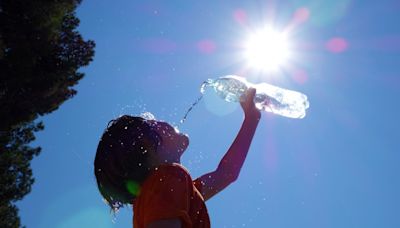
(169, 193)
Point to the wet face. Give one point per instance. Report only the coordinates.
(173, 143)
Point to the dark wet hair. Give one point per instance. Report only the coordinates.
(122, 159)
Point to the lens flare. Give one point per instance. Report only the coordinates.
(337, 45)
(301, 15)
(133, 187)
(240, 16)
(206, 46)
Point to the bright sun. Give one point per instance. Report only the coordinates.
(267, 50)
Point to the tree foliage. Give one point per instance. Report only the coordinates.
(40, 54)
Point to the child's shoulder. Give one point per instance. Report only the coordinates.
(174, 170)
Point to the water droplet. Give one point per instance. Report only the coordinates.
(126, 127)
(114, 216)
(176, 129)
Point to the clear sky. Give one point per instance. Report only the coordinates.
(337, 167)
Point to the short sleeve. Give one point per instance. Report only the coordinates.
(198, 184)
(168, 196)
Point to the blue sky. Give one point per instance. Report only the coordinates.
(337, 167)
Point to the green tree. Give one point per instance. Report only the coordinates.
(40, 54)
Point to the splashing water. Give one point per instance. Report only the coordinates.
(202, 90)
(147, 116)
(190, 109)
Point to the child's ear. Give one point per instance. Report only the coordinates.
(149, 143)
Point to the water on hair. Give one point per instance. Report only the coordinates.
(147, 116)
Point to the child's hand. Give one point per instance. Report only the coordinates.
(248, 106)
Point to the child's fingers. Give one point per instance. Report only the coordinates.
(248, 97)
(248, 104)
(251, 93)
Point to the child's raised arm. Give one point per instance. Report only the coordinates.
(229, 167)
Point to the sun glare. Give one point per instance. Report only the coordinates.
(267, 50)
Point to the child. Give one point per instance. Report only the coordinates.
(138, 162)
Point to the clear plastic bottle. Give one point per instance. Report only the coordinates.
(270, 98)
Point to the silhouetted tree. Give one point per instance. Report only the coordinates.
(40, 54)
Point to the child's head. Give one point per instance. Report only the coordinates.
(128, 150)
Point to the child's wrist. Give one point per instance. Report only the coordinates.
(254, 116)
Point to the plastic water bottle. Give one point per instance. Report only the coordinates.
(269, 98)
